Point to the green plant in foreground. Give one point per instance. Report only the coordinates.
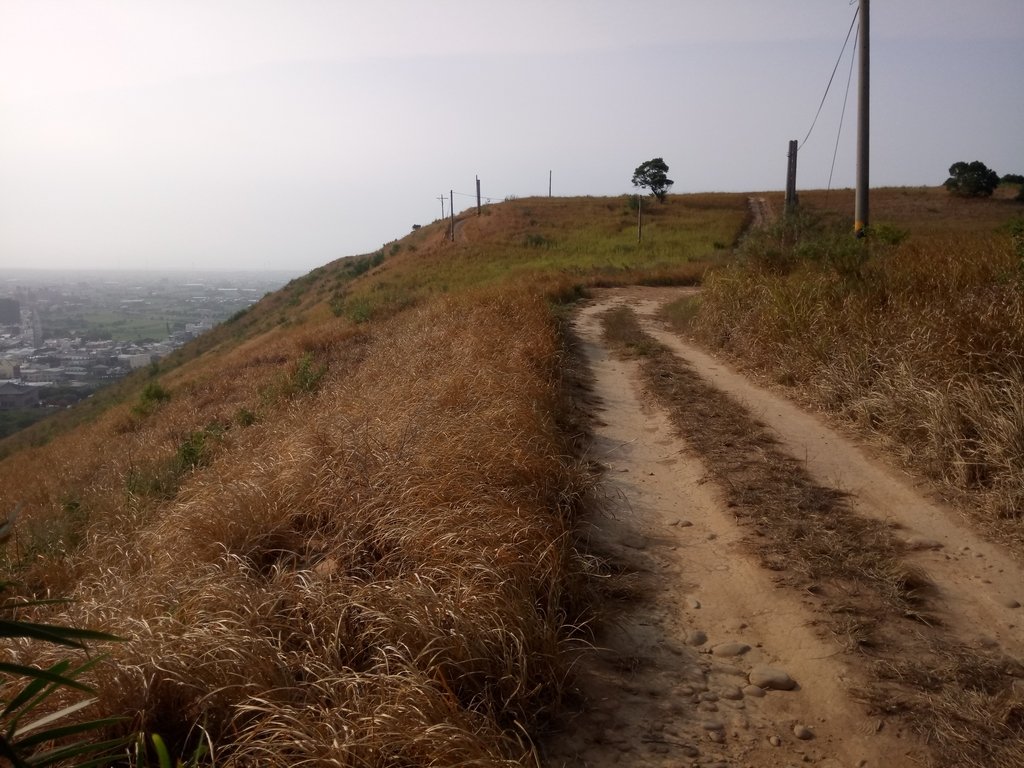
(244, 417)
(27, 736)
(153, 745)
(306, 376)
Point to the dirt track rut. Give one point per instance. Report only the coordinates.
(696, 614)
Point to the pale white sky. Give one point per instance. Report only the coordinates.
(282, 134)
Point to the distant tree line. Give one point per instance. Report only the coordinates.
(975, 179)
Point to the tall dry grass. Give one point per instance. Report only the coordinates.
(920, 342)
(378, 569)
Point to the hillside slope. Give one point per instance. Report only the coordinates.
(339, 526)
(351, 526)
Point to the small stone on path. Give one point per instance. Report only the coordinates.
(716, 736)
(693, 602)
(731, 692)
(1011, 603)
(775, 741)
(803, 732)
(713, 725)
(753, 690)
(697, 637)
(730, 649)
(771, 678)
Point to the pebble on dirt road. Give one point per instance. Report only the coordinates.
(771, 678)
(803, 732)
(730, 649)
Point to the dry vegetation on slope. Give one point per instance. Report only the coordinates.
(380, 574)
(338, 528)
(918, 338)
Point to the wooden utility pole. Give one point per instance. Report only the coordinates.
(549, 183)
(441, 198)
(860, 216)
(477, 195)
(639, 218)
(451, 212)
(791, 178)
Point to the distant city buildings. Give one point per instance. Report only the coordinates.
(61, 334)
(10, 311)
(17, 396)
(9, 369)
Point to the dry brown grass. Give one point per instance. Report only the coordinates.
(963, 702)
(337, 529)
(921, 343)
(380, 570)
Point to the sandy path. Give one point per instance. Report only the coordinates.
(660, 691)
(981, 586)
(761, 212)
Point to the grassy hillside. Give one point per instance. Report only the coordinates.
(339, 526)
(917, 336)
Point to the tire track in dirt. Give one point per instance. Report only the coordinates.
(694, 616)
(980, 585)
(761, 214)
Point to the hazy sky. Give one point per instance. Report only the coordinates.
(282, 134)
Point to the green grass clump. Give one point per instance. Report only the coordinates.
(152, 396)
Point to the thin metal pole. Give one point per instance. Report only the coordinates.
(860, 216)
(549, 183)
(451, 211)
(478, 196)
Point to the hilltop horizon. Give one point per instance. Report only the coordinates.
(289, 134)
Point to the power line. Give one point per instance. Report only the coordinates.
(466, 194)
(831, 78)
(842, 116)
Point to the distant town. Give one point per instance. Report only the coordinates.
(65, 334)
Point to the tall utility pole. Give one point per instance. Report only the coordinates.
(451, 211)
(791, 178)
(477, 195)
(860, 216)
(549, 183)
(639, 218)
(441, 198)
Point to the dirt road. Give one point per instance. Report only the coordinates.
(707, 657)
